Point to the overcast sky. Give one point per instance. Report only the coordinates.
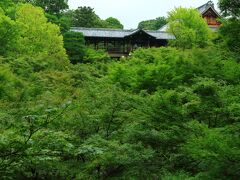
(131, 12)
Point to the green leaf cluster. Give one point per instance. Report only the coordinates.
(153, 24)
(189, 28)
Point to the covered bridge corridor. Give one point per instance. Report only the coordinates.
(120, 43)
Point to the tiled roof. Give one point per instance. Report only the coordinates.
(100, 32)
(161, 34)
(118, 33)
(202, 9)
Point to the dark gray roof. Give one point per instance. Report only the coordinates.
(202, 9)
(100, 32)
(161, 34)
(118, 33)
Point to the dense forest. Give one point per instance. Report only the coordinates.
(70, 112)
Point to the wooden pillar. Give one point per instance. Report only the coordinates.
(131, 46)
(97, 42)
(105, 47)
(95, 45)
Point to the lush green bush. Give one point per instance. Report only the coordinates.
(189, 28)
(92, 56)
(152, 24)
(74, 44)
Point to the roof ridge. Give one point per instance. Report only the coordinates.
(209, 3)
(155, 31)
(105, 29)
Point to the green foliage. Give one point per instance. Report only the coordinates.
(62, 21)
(189, 28)
(95, 56)
(10, 85)
(230, 7)
(74, 44)
(85, 17)
(230, 28)
(5, 4)
(230, 36)
(37, 39)
(215, 150)
(155, 69)
(153, 24)
(113, 23)
(50, 6)
(8, 32)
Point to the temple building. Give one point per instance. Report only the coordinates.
(209, 13)
(120, 43)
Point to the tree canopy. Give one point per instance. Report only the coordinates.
(113, 23)
(8, 32)
(188, 27)
(86, 17)
(230, 28)
(153, 24)
(74, 44)
(51, 6)
(37, 37)
(230, 7)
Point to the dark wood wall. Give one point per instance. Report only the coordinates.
(118, 47)
(211, 18)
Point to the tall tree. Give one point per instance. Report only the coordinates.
(75, 45)
(188, 27)
(159, 22)
(153, 24)
(85, 17)
(113, 23)
(230, 7)
(230, 29)
(8, 32)
(5, 4)
(37, 38)
(51, 6)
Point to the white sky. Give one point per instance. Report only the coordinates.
(131, 12)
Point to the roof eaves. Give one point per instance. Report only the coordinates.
(214, 10)
(140, 30)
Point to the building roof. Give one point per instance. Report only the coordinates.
(101, 32)
(119, 33)
(161, 34)
(205, 7)
(164, 28)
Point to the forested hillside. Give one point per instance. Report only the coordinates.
(162, 113)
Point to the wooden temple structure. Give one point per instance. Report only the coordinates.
(118, 42)
(210, 14)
